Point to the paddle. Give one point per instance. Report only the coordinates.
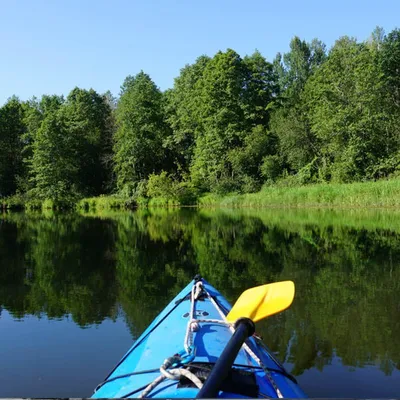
(253, 305)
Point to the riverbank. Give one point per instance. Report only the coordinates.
(383, 194)
(23, 202)
(361, 194)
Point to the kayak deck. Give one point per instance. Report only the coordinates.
(193, 329)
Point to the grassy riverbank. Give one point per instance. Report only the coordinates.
(385, 193)
(361, 194)
(23, 202)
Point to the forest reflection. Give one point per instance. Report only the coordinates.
(346, 266)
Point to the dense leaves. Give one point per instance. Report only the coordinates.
(12, 130)
(88, 116)
(142, 129)
(228, 124)
(53, 165)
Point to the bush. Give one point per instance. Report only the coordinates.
(186, 193)
(160, 185)
(250, 185)
(271, 167)
(164, 190)
(134, 190)
(226, 185)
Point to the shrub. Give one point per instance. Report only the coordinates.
(160, 185)
(164, 190)
(271, 167)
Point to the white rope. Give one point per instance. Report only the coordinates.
(152, 385)
(192, 377)
(192, 325)
(176, 373)
(187, 343)
(173, 374)
(214, 303)
(198, 289)
(261, 364)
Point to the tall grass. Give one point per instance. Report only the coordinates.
(163, 202)
(105, 203)
(25, 202)
(361, 194)
(385, 193)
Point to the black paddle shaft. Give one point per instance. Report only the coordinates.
(244, 329)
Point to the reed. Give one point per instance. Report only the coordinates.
(385, 193)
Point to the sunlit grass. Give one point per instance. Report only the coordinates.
(104, 203)
(362, 194)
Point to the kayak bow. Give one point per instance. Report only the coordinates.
(176, 354)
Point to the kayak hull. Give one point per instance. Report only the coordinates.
(166, 336)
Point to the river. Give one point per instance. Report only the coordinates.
(76, 290)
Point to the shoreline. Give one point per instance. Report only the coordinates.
(384, 194)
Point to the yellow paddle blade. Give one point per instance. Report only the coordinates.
(262, 301)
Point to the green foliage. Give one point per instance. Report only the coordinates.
(16, 202)
(160, 185)
(66, 147)
(295, 67)
(33, 205)
(231, 98)
(261, 88)
(347, 111)
(90, 125)
(390, 59)
(220, 118)
(297, 144)
(46, 272)
(64, 203)
(291, 192)
(141, 131)
(164, 190)
(12, 130)
(246, 160)
(35, 112)
(54, 164)
(271, 167)
(180, 104)
(104, 203)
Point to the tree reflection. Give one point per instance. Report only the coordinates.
(347, 273)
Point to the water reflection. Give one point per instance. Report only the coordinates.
(346, 266)
(57, 265)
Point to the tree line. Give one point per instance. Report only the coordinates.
(228, 124)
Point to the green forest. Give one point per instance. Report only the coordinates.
(229, 124)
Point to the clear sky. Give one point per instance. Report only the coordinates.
(51, 46)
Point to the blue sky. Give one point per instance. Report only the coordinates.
(50, 46)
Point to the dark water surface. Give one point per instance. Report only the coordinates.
(76, 290)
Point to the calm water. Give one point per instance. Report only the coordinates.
(76, 290)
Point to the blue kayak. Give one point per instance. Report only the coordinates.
(175, 354)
